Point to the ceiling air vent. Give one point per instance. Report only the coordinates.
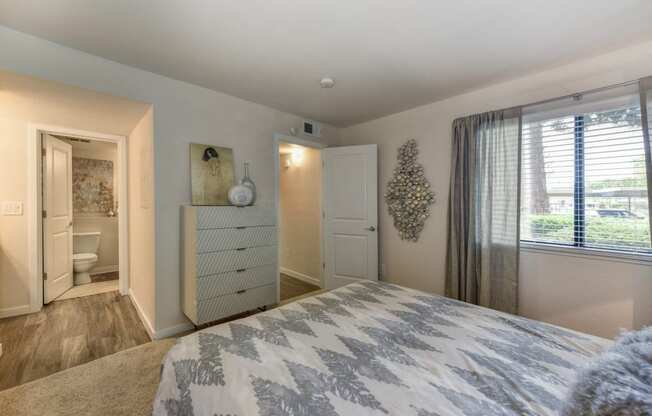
(311, 128)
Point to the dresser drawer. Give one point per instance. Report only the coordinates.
(232, 238)
(227, 305)
(225, 283)
(229, 217)
(226, 261)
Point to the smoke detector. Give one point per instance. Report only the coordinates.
(327, 82)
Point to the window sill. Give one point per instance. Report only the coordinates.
(594, 253)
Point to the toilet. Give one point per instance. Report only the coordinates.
(84, 257)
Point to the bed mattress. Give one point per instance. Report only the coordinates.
(374, 348)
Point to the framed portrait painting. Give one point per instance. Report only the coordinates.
(212, 174)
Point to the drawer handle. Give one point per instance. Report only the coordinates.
(241, 270)
(242, 227)
(241, 248)
(240, 292)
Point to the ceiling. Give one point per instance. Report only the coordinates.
(386, 56)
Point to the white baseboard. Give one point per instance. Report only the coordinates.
(161, 333)
(105, 269)
(15, 311)
(148, 325)
(301, 276)
(173, 330)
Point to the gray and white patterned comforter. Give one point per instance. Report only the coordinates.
(373, 349)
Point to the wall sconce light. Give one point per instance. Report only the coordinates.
(296, 156)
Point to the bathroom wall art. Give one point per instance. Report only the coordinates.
(92, 186)
(212, 174)
(408, 195)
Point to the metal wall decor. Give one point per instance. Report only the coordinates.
(408, 193)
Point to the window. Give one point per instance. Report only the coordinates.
(583, 174)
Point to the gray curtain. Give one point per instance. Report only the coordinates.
(645, 90)
(483, 211)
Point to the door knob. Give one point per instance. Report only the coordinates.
(372, 228)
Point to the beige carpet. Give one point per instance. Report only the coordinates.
(120, 384)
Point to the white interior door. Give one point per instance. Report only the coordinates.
(351, 214)
(57, 217)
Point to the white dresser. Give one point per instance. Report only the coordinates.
(230, 261)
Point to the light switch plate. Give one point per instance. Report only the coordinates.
(12, 208)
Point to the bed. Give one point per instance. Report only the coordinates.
(374, 348)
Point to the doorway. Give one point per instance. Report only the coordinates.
(299, 217)
(347, 217)
(79, 227)
(80, 217)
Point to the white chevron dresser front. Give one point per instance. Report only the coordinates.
(230, 261)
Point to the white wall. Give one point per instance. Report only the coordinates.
(183, 113)
(300, 202)
(142, 221)
(596, 295)
(553, 287)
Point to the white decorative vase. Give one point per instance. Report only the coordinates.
(241, 195)
(246, 181)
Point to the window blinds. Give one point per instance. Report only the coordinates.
(584, 180)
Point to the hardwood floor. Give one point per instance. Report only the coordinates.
(70, 332)
(291, 287)
(65, 334)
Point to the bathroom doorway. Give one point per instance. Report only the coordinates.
(81, 181)
(89, 187)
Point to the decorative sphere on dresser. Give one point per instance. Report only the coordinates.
(241, 195)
